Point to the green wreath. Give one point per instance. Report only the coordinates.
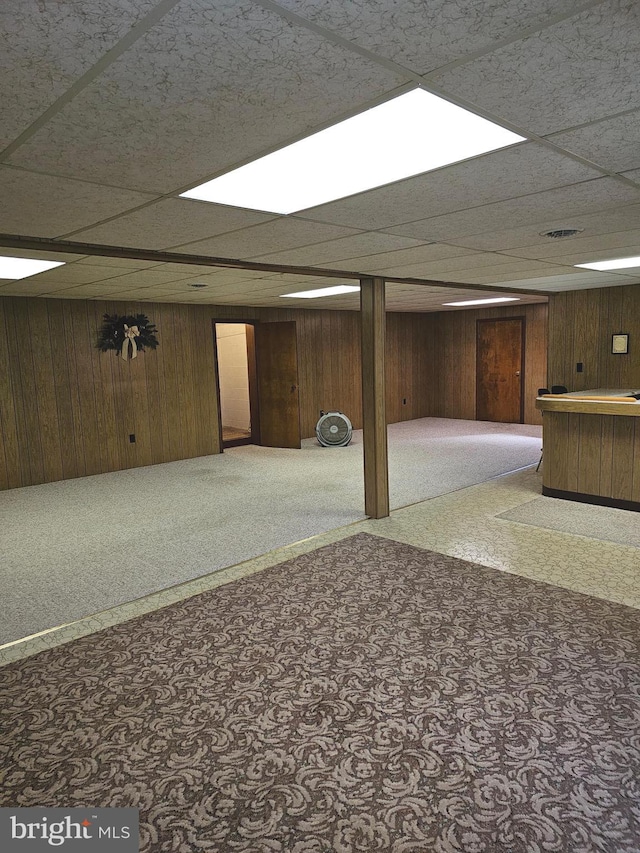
(126, 335)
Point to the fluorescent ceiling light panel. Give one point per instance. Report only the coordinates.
(17, 268)
(485, 301)
(615, 264)
(324, 291)
(413, 133)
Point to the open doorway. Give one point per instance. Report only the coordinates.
(257, 367)
(236, 378)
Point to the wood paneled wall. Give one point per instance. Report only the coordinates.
(453, 335)
(328, 358)
(67, 410)
(592, 454)
(411, 360)
(581, 323)
(329, 362)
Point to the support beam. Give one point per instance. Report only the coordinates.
(376, 468)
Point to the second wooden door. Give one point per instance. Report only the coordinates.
(500, 370)
(277, 382)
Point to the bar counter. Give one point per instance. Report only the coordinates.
(591, 442)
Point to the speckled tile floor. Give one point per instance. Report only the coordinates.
(462, 524)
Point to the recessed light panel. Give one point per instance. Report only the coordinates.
(16, 268)
(485, 301)
(615, 264)
(324, 291)
(413, 133)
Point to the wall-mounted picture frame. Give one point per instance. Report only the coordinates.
(620, 344)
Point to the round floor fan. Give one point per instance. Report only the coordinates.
(334, 429)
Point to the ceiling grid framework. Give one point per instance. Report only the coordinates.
(114, 109)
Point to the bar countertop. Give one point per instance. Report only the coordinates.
(598, 401)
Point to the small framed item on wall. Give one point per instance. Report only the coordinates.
(620, 344)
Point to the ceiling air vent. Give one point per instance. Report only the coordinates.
(559, 233)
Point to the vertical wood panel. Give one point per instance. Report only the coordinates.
(622, 468)
(108, 374)
(606, 457)
(555, 441)
(635, 464)
(572, 451)
(67, 410)
(24, 359)
(10, 451)
(376, 470)
(580, 327)
(44, 401)
(204, 394)
(589, 460)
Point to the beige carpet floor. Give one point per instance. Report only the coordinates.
(78, 547)
(366, 696)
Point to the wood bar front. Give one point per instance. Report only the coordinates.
(591, 449)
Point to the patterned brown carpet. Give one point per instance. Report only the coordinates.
(367, 696)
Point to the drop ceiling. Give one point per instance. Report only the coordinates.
(111, 109)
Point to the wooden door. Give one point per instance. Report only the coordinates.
(277, 384)
(500, 370)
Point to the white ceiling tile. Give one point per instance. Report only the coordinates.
(169, 223)
(210, 85)
(225, 277)
(356, 246)
(147, 278)
(579, 70)
(41, 255)
(282, 233)
(388, 261)
(593, 225)
(122, 263)
(516, 171)
(585, 198)
(89, 290)
(600, 247)
(47, 46)
(308, 281)
(423, 37)
(24, 287)
(71, 274)
(42, 206)
(613, 143)
(469, 264)
(393, 263)
(551, 281)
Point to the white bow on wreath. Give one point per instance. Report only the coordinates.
(130, 335)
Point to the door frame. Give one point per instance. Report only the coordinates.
(523, 326)
(254, 411)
